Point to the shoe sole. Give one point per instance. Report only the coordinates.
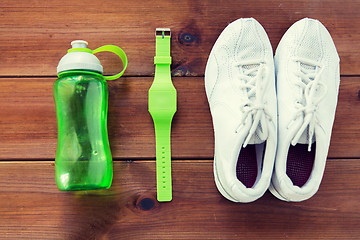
(220, 187)
(276, 193)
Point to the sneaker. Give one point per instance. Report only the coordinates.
(308, 77)
(240, 87)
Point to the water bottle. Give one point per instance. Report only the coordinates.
(83, 158)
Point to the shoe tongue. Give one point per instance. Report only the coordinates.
(306, 68)
(304, 139)
(252, 74)
(255, 139)
(249, 67)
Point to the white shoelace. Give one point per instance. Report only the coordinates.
(252, 86)
(308, 104)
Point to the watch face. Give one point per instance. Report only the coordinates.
(162, 101)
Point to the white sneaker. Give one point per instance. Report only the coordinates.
(240, 87)
(308, 77)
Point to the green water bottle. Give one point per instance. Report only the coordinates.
(83, 157)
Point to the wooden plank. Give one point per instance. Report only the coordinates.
(28, 123)
(36, 34)
(31, 207)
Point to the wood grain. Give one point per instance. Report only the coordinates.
(32, 207)
(36, 34)
(28, 123)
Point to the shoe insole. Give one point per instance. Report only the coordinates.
(246, 168)
(300, 163)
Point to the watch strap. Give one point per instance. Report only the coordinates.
(162, 107)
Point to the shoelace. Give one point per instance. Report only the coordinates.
(251, 83)
(307, 106)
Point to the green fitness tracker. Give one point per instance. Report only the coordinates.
(162, 107)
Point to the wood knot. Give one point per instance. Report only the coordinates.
(180, 71)
(189, 38)
(146, 203)
(359, 94)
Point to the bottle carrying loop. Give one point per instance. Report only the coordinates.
(119, 52)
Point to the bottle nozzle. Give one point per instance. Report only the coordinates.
(79, 44)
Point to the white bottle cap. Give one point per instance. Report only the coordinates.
(79, 58)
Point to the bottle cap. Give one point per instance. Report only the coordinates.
(79, 57)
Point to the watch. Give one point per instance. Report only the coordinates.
(162, 107)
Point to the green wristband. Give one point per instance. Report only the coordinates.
(162, 107)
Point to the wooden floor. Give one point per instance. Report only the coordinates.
(34, 35)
